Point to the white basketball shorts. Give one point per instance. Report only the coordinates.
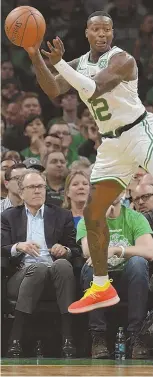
(119, 158)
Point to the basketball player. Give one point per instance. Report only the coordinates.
(106, 79)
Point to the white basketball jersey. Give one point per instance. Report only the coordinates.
(116, 108)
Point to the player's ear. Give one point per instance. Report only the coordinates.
(86, 33)
(113, 33)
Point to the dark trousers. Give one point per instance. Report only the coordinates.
(132, 284)
(37, 281)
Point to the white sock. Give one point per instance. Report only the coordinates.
(100, 280)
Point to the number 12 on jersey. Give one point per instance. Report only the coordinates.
(99, 110)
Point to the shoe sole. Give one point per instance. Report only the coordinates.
(102, 304)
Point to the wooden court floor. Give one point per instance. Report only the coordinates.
(78, 367)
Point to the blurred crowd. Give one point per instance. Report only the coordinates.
(60, 137)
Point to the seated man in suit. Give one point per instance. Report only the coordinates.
(41, 241)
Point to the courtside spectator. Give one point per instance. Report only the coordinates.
(41, 257)
(77, 189)
(142, 197)
(13, 198)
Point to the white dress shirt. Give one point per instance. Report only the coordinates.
(35, 233)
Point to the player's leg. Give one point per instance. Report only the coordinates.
(110, 175)
(103, 195)
(101, 293)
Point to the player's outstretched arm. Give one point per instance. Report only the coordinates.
(122, 67)
(50, 84)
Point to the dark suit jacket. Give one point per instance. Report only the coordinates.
(149, 217)
(58, 227)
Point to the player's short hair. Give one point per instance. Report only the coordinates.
(99, 13)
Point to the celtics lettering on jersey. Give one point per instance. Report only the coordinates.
(116, 108)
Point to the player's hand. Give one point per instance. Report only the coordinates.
(56, 51)
(33, 51)
(58, 250)
(29, 247)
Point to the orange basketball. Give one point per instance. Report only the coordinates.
(25, 26)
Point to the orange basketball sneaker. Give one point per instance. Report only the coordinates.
(95, 297)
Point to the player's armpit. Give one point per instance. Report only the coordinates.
(122, 67)
(63, 85)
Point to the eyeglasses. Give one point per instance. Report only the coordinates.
(144, 198)
(34, 187)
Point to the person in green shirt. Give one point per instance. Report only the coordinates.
(130, 249)
(34, 129)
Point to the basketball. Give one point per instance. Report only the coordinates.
(25, 26)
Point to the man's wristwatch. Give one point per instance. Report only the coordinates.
(18, 251)
(69, 253)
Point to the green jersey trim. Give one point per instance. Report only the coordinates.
(90, 63)
(100, 58)
(150, 149)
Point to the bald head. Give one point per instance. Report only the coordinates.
(137, 178)
(147, 179)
